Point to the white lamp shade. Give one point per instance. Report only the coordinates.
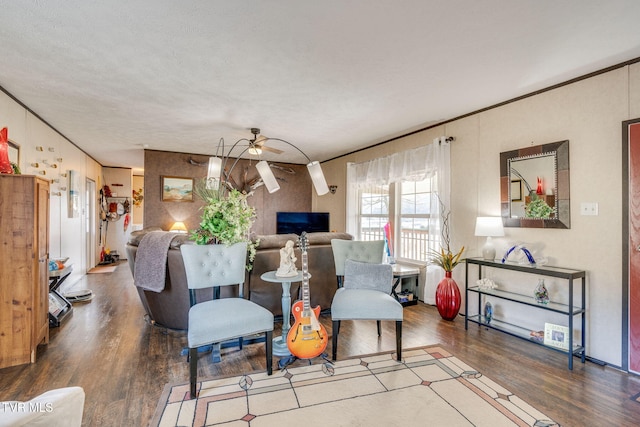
(215, 167)
(267, 176)
(489, 226)
(315, 171)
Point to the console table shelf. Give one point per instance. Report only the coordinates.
(570, 310)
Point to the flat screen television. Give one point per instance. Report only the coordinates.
(297, 222)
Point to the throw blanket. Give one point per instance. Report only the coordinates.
(151, 260)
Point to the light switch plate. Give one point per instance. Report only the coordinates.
(589, 208)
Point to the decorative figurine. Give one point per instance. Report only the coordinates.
(541, 294)
(488, 312)
(287, 261)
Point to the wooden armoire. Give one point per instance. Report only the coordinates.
(24, 268)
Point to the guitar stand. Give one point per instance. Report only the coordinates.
(286, 361)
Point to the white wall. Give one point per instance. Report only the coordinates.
(119, 181)
(589, 114)
(67, 235)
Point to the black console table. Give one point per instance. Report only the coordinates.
(570, 310)
(59, 306)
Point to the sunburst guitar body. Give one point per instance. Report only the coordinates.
(307, 338)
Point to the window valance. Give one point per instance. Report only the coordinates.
(410, 165)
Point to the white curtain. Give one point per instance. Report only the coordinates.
(411, 165)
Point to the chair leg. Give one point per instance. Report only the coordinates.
(379, 330)
(399, 340)
(334, 339)
(193, 371)
(269, 349)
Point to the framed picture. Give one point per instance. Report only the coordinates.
(177, 189)
(556, 336)
(516, 190)
(73, 202)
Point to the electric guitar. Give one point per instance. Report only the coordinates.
(307, 338)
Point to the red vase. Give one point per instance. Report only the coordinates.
(448, 297)
(5, 164)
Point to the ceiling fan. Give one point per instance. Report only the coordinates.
(257, 144)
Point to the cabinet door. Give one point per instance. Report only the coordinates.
(41, 276)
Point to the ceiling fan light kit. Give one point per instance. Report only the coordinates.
(216, 173)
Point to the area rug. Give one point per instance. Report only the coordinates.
(429, 387)
(103, 269)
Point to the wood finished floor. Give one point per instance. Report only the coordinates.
(123, 363)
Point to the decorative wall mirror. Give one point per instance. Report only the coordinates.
(534, 186)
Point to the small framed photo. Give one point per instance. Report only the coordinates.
(516, 190)
(556, 336)
(177, 189)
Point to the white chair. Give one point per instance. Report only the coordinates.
(366, 295)
(62, 407)
(220, 320)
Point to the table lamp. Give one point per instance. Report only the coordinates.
(489, 226)
(178, 227)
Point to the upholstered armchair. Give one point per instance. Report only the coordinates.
(366, 295)
(219, 320)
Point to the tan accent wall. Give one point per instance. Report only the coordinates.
(294, 194)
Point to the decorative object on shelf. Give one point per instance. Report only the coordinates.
(556, 336)
(448, 297)
(515, 249)
(288, 260)
(226, 218)
(218, 173)
(486, 284)
(488, 312)
(541, 293)
(5, 164)
(537, 336)
(489, 226)
(539, 190)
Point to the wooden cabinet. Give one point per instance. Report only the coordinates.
(24, 278)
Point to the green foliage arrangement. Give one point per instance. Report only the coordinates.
(538, 208)
(226, 218)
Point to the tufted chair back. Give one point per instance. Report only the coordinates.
(357, 250)
(214, 322)
(214, 265)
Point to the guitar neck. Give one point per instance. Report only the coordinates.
(306, 304)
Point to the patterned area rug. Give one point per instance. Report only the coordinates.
(430, 387)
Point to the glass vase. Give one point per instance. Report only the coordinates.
(541, 294)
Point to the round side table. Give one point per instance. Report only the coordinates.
(280, 348)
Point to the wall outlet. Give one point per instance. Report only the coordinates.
(589, 208)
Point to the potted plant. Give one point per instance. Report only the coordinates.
(226, 218)
(448, 297)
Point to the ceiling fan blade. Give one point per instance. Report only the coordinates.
(270, 149)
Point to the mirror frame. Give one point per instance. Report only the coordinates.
(563, 218)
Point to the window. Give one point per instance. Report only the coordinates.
(373, 212)
(407, 206)
(414, 215)
(405, 190)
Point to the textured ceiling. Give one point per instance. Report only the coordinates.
(329, 76)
